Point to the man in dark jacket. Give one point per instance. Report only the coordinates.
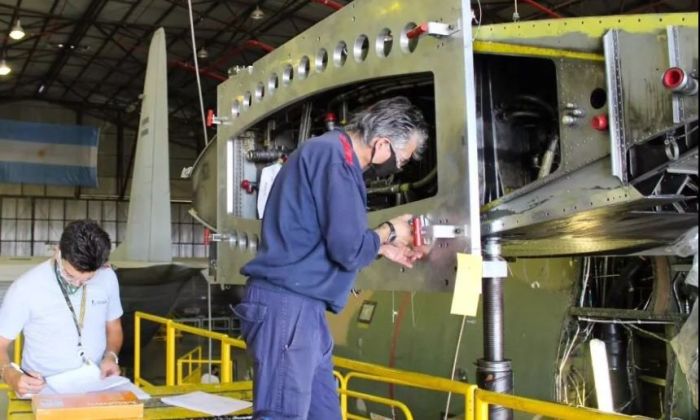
(315, 239)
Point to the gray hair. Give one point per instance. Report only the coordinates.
(396, 119)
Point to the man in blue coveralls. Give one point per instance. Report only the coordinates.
(315, 239)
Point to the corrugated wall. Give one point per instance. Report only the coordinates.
(31, 226)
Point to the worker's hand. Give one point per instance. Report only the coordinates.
(109, 367)
(402, 255)
(23, 384)
(402, 225)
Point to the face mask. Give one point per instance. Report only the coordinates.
(70, 285)
(383, 170)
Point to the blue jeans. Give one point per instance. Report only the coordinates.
(291, 347)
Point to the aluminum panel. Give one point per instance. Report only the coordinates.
(109, 211)
(55, 230)
(683, 53)
(41, 209)
(8, 230)
(23, 249)
(24, 230)
(9, 208)
(24, 208)
(7, 248)
(56, 209)
(94, 210)
(41, 230)
(443, 57)
(76, 209)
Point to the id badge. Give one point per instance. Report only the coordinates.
(81, 354)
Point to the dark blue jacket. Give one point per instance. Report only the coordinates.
(314, 233)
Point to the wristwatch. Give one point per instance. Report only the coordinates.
(392, 232)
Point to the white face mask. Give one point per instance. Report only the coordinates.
(62, 272)
(72, 284)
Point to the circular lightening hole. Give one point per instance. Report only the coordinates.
(361, 48)
(385, 41)
(288, 74)
(260, 91)
(247, 99)
(598, 98)
(273, 83)
(304, 67)
(408, 45)
(321, 60)
(236, 108)
(340, 55)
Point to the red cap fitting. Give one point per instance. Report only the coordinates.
(417, 31)
(674, 78)
(210, 117)
(207, 236)
(248, 186)
(331, 117)
(600, 122)
(417, 225)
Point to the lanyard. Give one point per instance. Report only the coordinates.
(78, 324)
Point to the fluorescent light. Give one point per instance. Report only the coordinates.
(229, 176)
(601, 376)
(257, 13)
(17, 32)
(4, 68)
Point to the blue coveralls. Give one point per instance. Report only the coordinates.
(314, 241)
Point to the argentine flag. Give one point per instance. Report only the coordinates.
(39, 153)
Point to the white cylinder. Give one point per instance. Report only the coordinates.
(601, 375)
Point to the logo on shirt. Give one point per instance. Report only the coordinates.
(98, 302)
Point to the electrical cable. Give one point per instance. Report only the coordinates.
(454, 366)
(478, 22)
(196, 68)
(624, 322)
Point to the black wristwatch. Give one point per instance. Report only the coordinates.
(392, 232)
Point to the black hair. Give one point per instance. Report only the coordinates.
(85, 245)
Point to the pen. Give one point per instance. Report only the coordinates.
(18, 368)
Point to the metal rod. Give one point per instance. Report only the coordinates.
(493, 319)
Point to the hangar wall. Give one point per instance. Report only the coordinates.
(32, 216)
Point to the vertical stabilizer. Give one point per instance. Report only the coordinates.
(148, 236)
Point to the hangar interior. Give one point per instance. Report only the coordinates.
(562, 156)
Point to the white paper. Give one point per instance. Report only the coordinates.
(129, 386)
(86, 379)
(267, 178)
(211, 404)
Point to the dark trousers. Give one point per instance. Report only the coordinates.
(291, 347)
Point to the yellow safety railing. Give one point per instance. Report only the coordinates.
(476, 400)
(171, 327)
(17, 358)
(189, 360)
(483, 399)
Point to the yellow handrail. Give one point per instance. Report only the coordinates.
(17, 358)
(188, 358)
(477, 400)
(373, 398)
(547, 409)
(415, 380)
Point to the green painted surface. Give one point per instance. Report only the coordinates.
(538, 293)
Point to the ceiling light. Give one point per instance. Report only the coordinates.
(203, 53)
(4, 68)
(17, 32)
(257, 13)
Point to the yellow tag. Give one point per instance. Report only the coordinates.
(465, 298)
